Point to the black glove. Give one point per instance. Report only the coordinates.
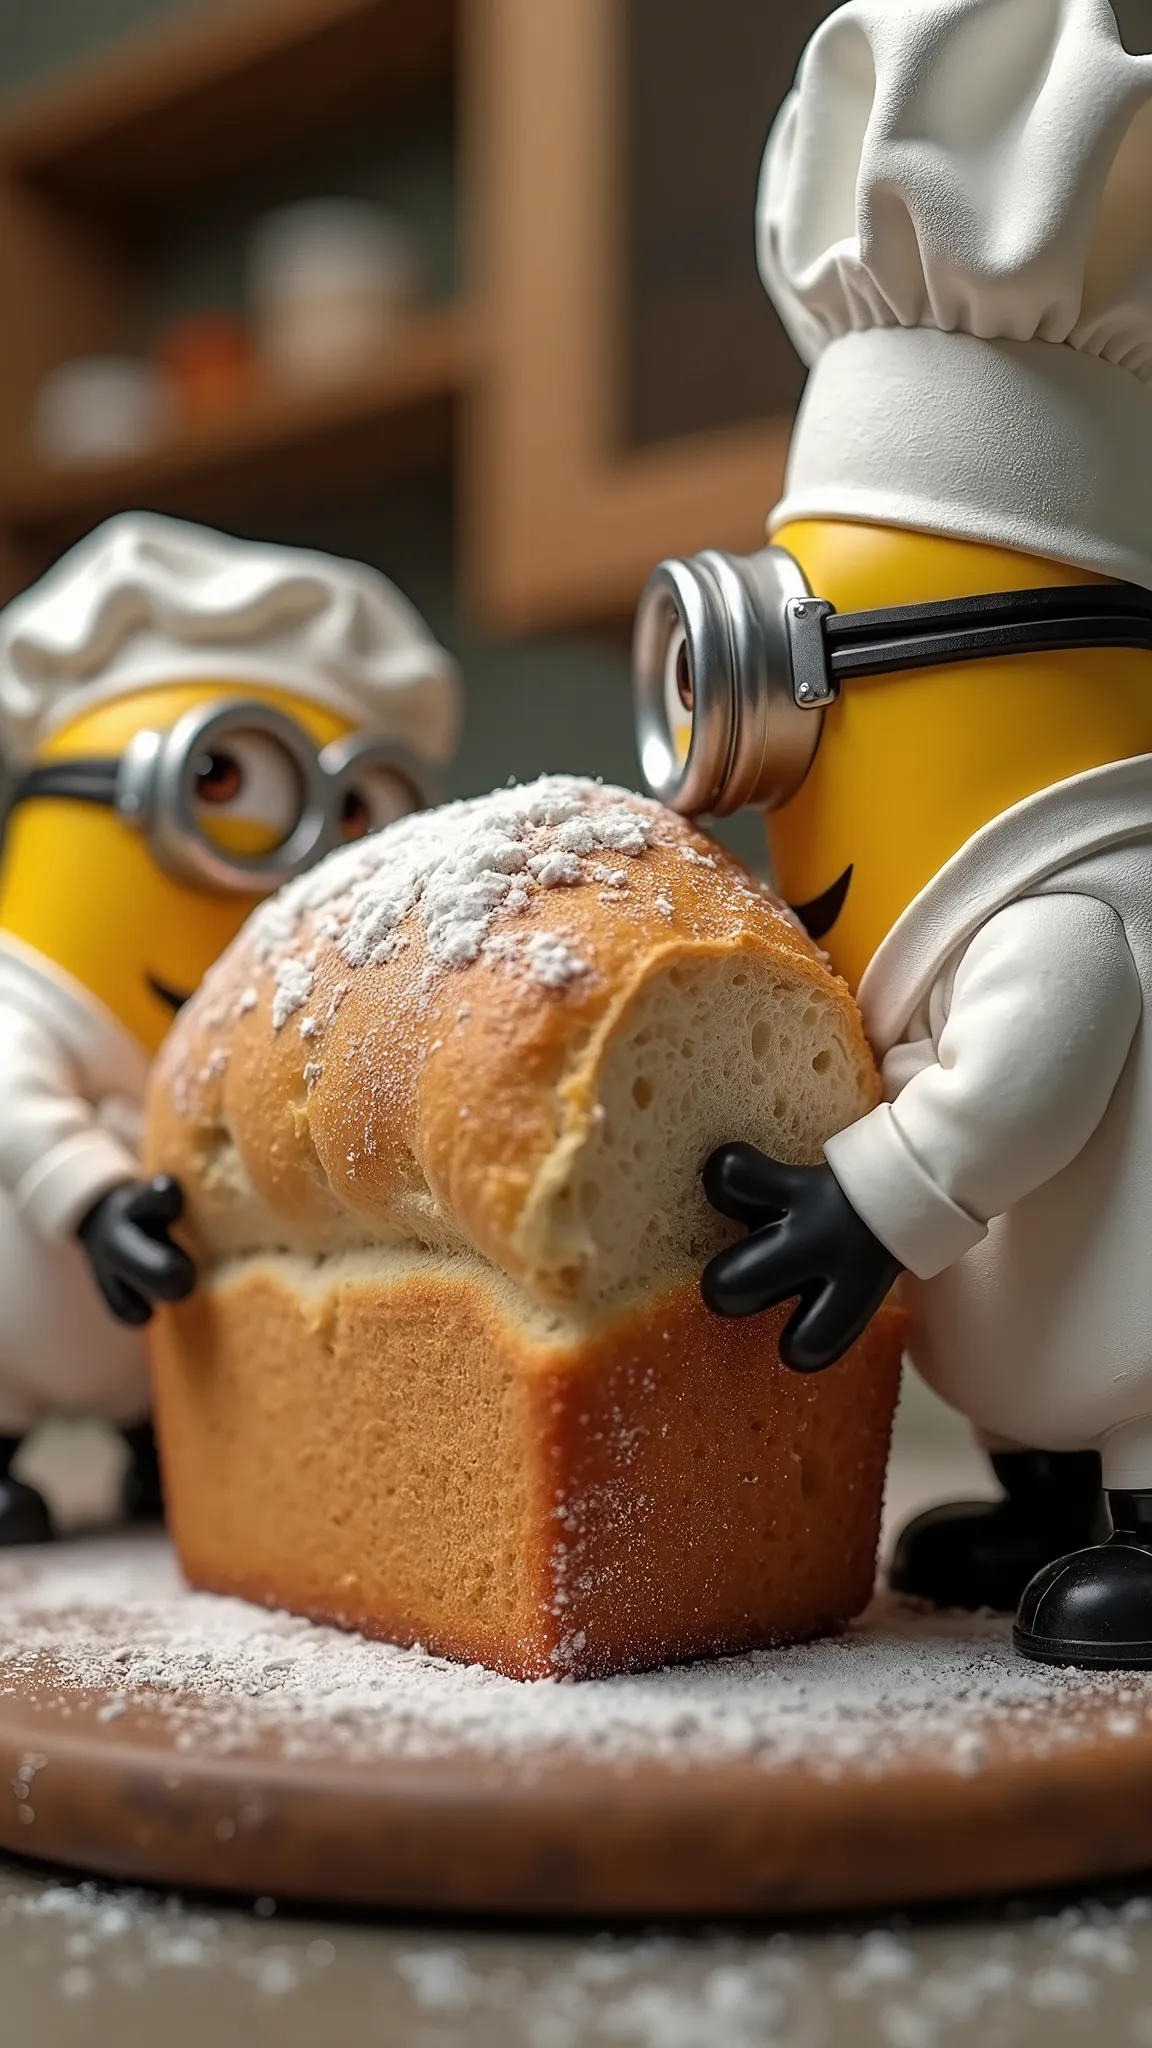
(805, 1238)
(132, 1256)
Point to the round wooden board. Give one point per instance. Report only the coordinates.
(939, 1782)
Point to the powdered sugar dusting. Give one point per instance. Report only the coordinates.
(294, 982)
(553, 962)
(465, 874)
(544, 957)
(456, 867)
(556, 870)
(115, 1616)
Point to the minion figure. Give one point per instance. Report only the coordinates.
(188, 720)
(937, 679)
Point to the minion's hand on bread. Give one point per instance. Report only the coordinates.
(805, 1238)
(133, 1259)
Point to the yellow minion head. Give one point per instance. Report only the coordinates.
(952, 223)
(186, 715)
(882, 694)
(910, 765)
(87, 890)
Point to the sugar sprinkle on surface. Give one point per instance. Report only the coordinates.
(114, 1615)
(1069, 1968)
(224, 1675)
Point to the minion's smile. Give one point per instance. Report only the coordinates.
(166, 994)
(819, 914)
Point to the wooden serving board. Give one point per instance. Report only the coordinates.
(912, 1759)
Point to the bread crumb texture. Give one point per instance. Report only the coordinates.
(518, 1025)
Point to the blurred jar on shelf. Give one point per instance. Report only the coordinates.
(331, 281)
(100, 409)
(207, 359)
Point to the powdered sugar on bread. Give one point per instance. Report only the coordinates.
(516, 1024)
(456, 868)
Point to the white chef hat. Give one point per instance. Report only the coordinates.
(146, 600)
(955, 223)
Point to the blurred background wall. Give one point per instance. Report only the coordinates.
(559, 702)
(585, 373)
(520, 505)
(37, 39)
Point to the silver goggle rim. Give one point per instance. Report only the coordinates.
(751, 742)
(156, 793)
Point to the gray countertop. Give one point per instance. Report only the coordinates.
(81, 1965)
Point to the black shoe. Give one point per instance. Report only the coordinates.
(983, 1553)
(142, 1494)
(24, 1516)
(1094, 1609)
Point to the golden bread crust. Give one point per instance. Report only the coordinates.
(408, 1101)
(402, 1456)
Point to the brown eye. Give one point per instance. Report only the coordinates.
(219, 778)
(685, 688)
(355, 816)
(380, 794)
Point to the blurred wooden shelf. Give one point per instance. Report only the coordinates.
(276, 435)
(195, 97)
(560, 514)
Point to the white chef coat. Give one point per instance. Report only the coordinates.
(1009, 1168)
(72, 1086)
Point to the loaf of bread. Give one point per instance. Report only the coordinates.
(439, 1115)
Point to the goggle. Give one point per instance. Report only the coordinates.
(241, 769)
(735, 661)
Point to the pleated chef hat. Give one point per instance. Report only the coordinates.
(148, 600)
(955, 223)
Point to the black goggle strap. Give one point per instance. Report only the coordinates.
(1048, 621)
(83, 781)
(93, 780)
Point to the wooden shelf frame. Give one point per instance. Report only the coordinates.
(560, 523)
(430, 362)
(191, 99)
(519, 383)
(93, 163)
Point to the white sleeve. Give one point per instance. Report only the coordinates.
(1045, 1004)
(55, 1160)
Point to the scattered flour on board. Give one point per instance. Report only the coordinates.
(115, 1615)
(459, 868)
